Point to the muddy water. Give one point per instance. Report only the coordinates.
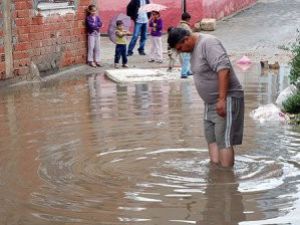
(87, 151)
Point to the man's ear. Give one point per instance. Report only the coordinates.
(191, 39)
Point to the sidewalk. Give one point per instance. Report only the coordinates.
(261, 32)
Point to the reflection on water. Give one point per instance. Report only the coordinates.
(88, 151)
(224, 201)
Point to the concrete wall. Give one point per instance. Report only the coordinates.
(50, 39)
(197, 8)
(218, 9)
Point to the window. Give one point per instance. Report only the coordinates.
(48, 7)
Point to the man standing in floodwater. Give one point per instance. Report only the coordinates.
(220, 90)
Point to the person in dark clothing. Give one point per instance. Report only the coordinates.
(140, 25)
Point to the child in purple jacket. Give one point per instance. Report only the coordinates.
(156, 26)
(93, 24)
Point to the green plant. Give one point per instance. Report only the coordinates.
(295, 63)
(292, 104)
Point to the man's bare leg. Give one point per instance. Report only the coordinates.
(226, 157)
(213, 153)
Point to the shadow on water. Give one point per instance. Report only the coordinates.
(89, 151)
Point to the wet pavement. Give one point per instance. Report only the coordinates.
(85, 150)
(89, 151)
(262, 31)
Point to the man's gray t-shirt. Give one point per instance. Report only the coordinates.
(208, 57)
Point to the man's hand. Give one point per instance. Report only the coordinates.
(221, 107)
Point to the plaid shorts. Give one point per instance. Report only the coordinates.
(225, 131)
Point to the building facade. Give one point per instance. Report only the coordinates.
(42, 34)
(197, 8)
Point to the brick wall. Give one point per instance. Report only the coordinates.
(51, 42)
(2, 62)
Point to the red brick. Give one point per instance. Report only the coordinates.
(53, 19)
(60, 19)
(22, 46)
(36, 36)
(22, 21)
(36, 44)
(29, 4)
(46, 27)
(81, 16)
(35, 28)
(38, 20)
(20, 5)
(23, 30)
(47, 35)
(2, 66)
(69, 16)
(20, 55)
(23, 37)
(25, 13)
(85, 2)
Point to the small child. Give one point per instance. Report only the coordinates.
(171, 54)
(185, 57)
(93, 24)
(156, 25)
(121, 45)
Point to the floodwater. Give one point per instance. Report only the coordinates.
(87, 151)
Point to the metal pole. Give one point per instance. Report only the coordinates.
(7, 16)
(183, 5)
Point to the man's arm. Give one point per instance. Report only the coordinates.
(223, 81)
(219, 62)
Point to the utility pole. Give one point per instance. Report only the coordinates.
(7, 26)
(183, 5)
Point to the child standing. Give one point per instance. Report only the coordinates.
(93, 24)
(172, 54)
(156, 25)
(185, 57)
(121, 43)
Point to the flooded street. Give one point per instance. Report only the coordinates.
(89, 151)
